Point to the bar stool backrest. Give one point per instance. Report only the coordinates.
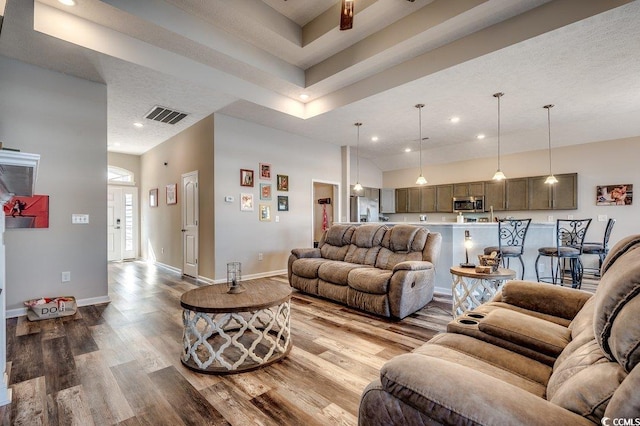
(607, 233)
(571, 232)
(512, 233)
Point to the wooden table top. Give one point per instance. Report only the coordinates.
(215, 299)
(500, 274)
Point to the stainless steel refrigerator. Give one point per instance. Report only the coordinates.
(364, 209)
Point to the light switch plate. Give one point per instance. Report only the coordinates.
(602, 218)
(228, 199)
(82, 219)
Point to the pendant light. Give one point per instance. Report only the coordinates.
(498, 175)
(421, 180)
(357, 187)
(551, 179)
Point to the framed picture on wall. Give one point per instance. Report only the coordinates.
(172, 196)
(265, 191)
(153, 197)
(246, 177)
(265, 212)
(283, 182)
(614, 195)
(283, 203)
(265, 171)
(246, 202)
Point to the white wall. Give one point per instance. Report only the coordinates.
(64, 119)
(600, 163)
(240, 236)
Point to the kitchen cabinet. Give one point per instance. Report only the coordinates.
(387, 200)
(517, 194)
(495, 195)
(413, 200)
(444, 198)
(428, 199)
(560, 196)
(468, 189)
(402, 196)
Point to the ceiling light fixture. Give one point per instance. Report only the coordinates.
(374, 139)
(304, 96)
(455, 119)
(551, 179)
(138, 124)
(421, 180)
(346, 15)
(357, 187)
(407, 150)
(498, 175)
(480, 136)
(68, 2)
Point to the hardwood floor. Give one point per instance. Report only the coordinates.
(119, 363)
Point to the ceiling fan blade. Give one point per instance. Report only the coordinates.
(346, 15)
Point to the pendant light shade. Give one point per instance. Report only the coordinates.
(551, 179)
(498, 175)
(357, 187)
(421, 180)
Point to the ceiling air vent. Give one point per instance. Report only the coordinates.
(165, 115)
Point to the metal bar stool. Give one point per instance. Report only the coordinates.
(511, 235)
(569, 243)
(600, 249)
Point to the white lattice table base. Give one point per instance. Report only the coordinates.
(235, 342)
(471, 289)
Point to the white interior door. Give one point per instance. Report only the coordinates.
(190, 217)
(114, 224)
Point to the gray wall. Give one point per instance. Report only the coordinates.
(240, 235)
(64, 119)
(190, 150)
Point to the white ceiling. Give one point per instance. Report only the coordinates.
(252, 59)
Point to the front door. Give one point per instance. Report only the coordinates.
(190, 224)
(122, 223)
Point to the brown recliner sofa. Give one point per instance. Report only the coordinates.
(385, 270)
(484, 370)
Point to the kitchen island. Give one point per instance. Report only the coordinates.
(483, 234)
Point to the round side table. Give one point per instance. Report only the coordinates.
(231, 333)
(471, 289)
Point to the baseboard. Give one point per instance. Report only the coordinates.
(254, 276)
(12, 313)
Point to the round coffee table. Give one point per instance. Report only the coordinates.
(231, 333)
(471, 289)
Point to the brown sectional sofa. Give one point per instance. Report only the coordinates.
(388, 271)
(537, 354)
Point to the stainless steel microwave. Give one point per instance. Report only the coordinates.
(468, 204)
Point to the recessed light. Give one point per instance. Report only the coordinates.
(407, 150)
(68, 2)
(304, 96)
(374, 139)
(455, 119)
(137, 124)
(480, 136)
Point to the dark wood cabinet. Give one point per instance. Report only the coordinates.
(467, 189)
(517, 194)
(402, 200)
(444, 198)
(495, 195)
(428, 199)
(413, 200)
(560, 196)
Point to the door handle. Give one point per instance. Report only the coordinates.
(183, 230)
(116, 227)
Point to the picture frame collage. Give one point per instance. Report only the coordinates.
(266, 193)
